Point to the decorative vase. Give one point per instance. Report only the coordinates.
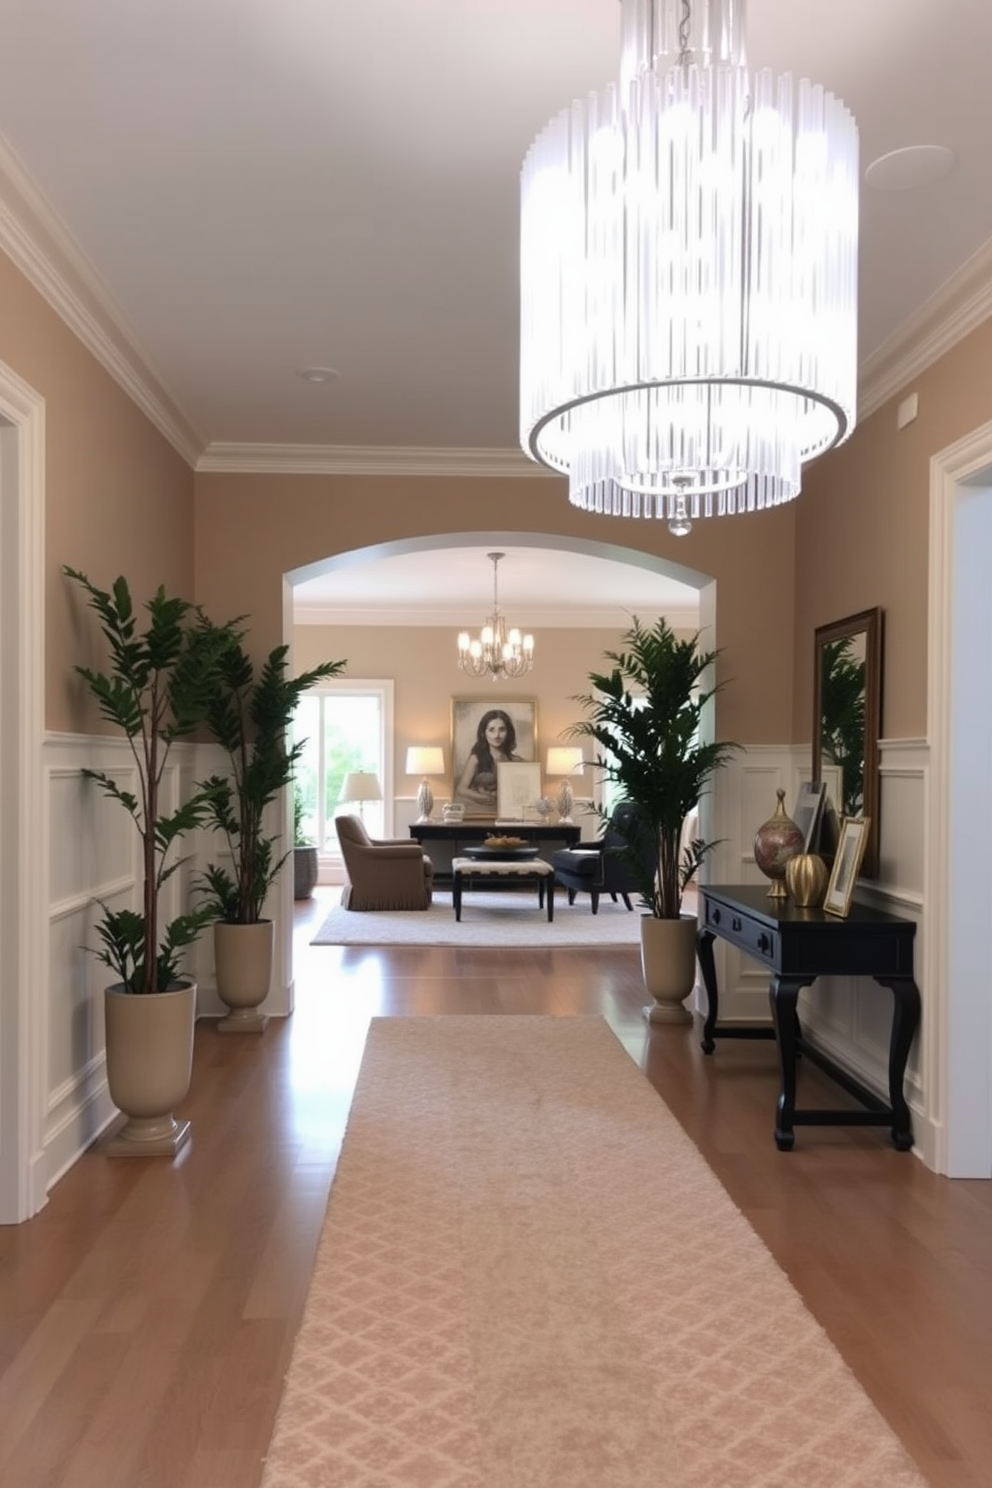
(775, 842)
(806, 878)
(149, 1064)
(243, 964)
(544, 807)
(668, 965)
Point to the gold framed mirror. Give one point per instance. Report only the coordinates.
(847, 723)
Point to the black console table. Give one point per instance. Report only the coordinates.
(445, 841)
(797, 946)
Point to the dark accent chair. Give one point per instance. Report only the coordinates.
(602, 867)
(383, 873)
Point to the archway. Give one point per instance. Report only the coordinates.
(703, 584)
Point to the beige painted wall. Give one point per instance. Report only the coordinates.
(252, 529)
(862, 530)
(118, 498)
(421, 660)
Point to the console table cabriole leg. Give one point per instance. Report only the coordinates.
(783, 995)
(905, 1022)
(707, 965)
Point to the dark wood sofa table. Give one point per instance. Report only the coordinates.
(798, 946)
(445, 841)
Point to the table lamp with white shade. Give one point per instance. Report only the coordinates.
(565, 762)
(360, 786)
(425, 760)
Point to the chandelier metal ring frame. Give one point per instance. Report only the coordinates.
(688, 260)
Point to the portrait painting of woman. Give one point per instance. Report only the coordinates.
(483, 737)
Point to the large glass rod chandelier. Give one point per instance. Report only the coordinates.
(499, 650)
(689, 276)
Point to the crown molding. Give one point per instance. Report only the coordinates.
(587, 617)
(359, 459)
(961, 304)
(36, 242)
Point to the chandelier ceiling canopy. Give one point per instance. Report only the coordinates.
(498, 651)
(689, 276)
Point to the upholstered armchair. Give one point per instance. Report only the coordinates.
(383, 874)
(602, 866)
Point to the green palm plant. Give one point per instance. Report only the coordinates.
(844, 715)
(645, 714)
(249, 716)
(156, 691)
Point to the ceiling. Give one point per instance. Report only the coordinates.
(233, 191)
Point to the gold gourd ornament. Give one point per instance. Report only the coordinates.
(806, 879)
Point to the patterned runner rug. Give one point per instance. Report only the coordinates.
(529, 1278)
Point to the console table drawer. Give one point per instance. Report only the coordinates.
(739, 929)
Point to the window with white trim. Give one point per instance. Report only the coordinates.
(346, 725)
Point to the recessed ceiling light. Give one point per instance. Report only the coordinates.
(318, 374)
(910, 168)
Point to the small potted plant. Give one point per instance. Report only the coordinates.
(645, 716)
(156, 690)
(304, 852)
(249, 716)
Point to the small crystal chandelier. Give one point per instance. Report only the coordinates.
(689, 276)
(498, 652)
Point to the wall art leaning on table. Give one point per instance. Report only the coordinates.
(850, 850)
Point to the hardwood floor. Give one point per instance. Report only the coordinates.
(147, 1314)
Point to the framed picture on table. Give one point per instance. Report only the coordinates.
(851, 846)
(484, 735)
(518, 787)
(809, 811)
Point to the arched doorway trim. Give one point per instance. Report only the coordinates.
(636, 557)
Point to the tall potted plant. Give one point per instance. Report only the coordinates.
(249, 716)
(156, 691)
(645, 715)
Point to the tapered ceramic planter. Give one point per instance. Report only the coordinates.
(668, 964)
(243, 962)
(149, 1064)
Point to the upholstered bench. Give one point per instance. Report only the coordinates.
(526, 870)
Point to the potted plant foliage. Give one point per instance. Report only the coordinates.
(249, 716)
(645, 714)
(304, 852)
(156, 690)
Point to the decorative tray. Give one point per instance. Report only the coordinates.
(501, 847)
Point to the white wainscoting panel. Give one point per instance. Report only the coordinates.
(93, 854)
(848, 1018)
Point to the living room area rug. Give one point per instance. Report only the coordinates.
(528, 1277)
(489, 918)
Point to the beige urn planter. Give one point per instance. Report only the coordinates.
(668, 964)
(243, 963)
(149, 1065)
